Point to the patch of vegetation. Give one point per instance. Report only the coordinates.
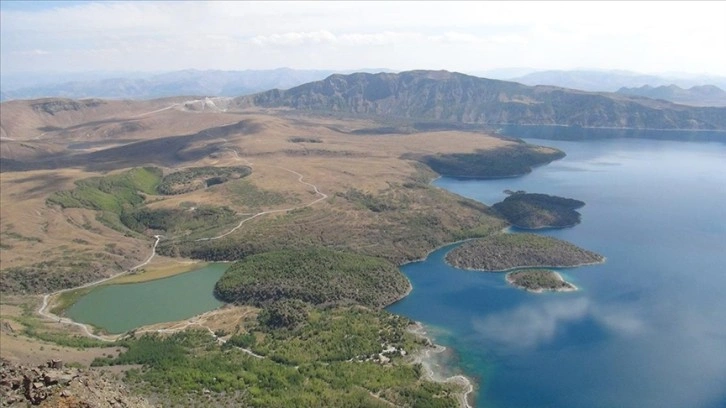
(502, 252)
(323, 362)
(113, 193)
(317, 276)
(247, 194)
(432, 218)
(532, 211)
(373, 203)
(20, 237)
(32, 327)
(334, 335)
(299, 139)
(176, 220)
(51, 275)
(287, 313)
(503, 162)
(538, 280)
(67, 299)
(195, 178)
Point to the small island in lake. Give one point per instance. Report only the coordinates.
(503, 252)
(535, 211)
(539, 280)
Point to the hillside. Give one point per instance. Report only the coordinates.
(454, 98)
(705, 95)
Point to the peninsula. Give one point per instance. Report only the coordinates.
(504, 252)
(537, 211)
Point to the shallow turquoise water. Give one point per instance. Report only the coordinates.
(119, 308)
(648, 327)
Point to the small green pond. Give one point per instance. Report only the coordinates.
(119, 308)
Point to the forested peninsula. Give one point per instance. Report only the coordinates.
(536, 211)
(503, 252)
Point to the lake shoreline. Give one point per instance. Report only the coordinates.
(425, 357)
(515, 268)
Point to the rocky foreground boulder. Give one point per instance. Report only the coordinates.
(53, 385)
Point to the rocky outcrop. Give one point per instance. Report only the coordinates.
(54, 386)
(55, 105)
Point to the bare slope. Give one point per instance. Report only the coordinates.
(376, 201)
(457, 98)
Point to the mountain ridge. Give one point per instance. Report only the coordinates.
(452, 97)
(698, 95)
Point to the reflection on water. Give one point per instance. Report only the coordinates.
(648, 327)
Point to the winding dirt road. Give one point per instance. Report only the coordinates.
(50, 316)
(43, 310)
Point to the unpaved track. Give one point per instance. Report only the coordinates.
(43, 311)
(50, 316)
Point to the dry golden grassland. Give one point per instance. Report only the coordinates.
(33, 231)
(345, 167)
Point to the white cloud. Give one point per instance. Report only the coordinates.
(641, 36)
(295, 39)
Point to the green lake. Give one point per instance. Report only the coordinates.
(120, 308)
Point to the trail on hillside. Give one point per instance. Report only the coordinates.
(43, 310)
(64, 320)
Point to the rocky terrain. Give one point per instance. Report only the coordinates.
(52, 385)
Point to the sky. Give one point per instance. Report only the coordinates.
(648, 37)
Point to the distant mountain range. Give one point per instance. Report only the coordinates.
(135, 85)
(704, 95)
(454, 98)
(611, 81)
(187, 82)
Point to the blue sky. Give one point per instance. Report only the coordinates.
(649, 37)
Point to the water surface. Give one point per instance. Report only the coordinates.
(648, 327)
(119, 308)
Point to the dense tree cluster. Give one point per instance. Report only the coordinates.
(316, 276)
(177, 220)
(532, 211)
(501, 252)
(505, 162)
(195, 178)
(332, 359)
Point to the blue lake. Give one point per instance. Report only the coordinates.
(646, 329)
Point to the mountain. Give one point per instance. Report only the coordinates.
(454, 98)
(611, 81)
(187, 82)
(704, 95)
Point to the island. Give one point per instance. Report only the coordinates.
(539, 280)
(536, 211)
(504, 252)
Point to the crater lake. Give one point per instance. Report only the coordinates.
(646, 329)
